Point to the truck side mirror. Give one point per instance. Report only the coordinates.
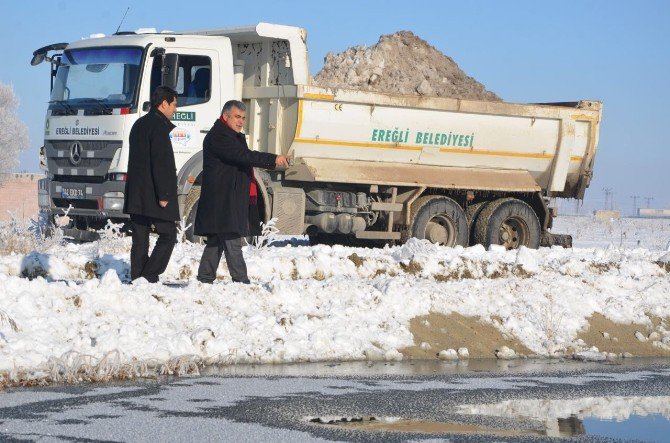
(146, 106)
(37, 59)
(170, 70)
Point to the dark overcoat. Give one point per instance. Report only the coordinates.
(224, 196)
(152, 175)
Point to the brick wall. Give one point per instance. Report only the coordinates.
(18, 195)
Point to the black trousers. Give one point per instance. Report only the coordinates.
(231, 246)
(141, 263)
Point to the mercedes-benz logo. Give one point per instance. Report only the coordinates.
(75, 153)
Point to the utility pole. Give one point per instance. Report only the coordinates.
(634, 197)
(608, 193)
(648, 199)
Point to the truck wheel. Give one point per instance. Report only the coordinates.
(509, 222)
(471, 213)
(190, 209)
(438, 219)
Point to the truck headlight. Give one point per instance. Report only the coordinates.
(112, 201)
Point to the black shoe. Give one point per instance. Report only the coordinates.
(207, 282)
(246, 281)
(151, 279)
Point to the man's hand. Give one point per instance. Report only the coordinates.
(281, 161)
(162, 203)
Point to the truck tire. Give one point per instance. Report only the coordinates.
(190, 209)
(438, 219)
(471, 213)
(509, 222)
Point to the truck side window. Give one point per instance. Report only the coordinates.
(194, 83)
(197, 80)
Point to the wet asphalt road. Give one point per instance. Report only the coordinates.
(276, 403)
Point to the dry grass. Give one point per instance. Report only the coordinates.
(603, 268)
(16, 237)
(294, 273)
(6, 319)
(412, 267)
(23, 237)
(185, 272)
(74, 368)
(379, 272)
(358, 260)
(91, 270)
(469, 272)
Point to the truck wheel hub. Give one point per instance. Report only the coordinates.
(514, 233)
(440, 230)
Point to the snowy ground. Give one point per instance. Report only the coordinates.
(66, 315)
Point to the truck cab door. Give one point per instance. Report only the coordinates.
(198, 98)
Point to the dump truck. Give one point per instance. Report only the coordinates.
(365, 167)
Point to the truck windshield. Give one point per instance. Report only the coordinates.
(97, 78)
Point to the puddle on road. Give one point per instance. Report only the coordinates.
(652, 428)
(421, 367)
(640, 418)
(394, 424)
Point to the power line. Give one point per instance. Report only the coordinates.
(635, 197)
(608, 198)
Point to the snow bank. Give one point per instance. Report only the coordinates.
(66, 311)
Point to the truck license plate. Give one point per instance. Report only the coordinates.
(73, 193)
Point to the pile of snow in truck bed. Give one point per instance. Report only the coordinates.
(320, 303)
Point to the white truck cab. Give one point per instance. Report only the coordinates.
(102, 85)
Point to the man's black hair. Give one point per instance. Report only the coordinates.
(163, 93)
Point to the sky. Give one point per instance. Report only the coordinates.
(524, 51)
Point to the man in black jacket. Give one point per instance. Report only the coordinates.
(151, 187)
(226, 207)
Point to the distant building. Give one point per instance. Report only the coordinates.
(607, 214)
(18, 196)
(653, 213)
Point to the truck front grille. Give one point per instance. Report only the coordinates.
(93, 159)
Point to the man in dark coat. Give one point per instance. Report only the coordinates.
(228, 192)
(151, 187)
